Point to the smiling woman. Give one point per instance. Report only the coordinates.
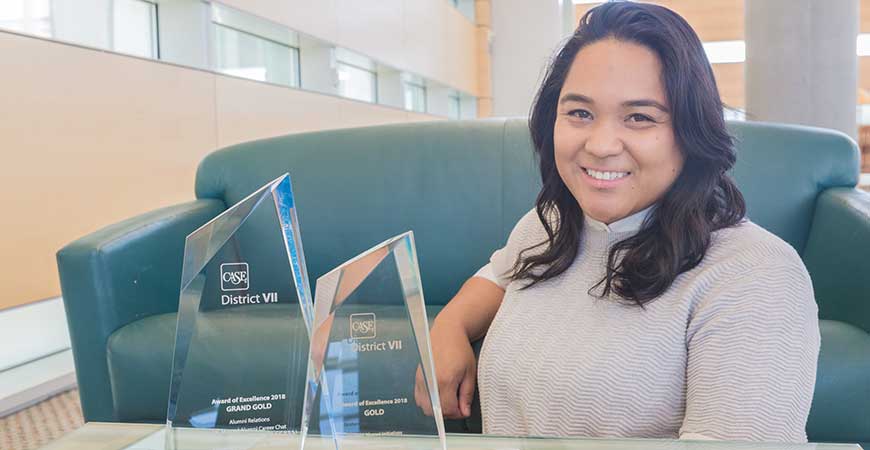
(635, 299)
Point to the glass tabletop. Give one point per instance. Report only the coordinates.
(116, 436)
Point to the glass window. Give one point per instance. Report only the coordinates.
(134, 28)
(734, 114)
(355, 59)
(863, 114)
(415, 97)
(251, 24)
(250, 47)
(465, 7)
(26, 16)
(454, 105)
(357, 76)
(414, 88)
(357, 83)
(468, 109)
(862, 47)
(248, 56)
(723, 52)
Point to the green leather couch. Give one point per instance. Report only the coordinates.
(461, 186)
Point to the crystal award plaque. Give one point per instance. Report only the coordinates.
(244, 315)
(370, 334)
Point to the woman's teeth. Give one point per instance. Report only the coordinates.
(605, 175)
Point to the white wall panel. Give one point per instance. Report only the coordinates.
(373, 29)
(424, 31)
(315, 17)
(427, 37)
(86, 22)
(525, 35)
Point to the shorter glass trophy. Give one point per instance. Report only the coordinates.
(369, 337)
(244, 314)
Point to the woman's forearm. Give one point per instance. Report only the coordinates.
(473, 308)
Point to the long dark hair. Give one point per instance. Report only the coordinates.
(676, 234)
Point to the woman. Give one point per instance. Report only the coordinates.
(634, 300)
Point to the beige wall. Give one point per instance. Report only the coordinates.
(427, 37)
(483, 22)
(90, 138)
(864, 61)
(712, 20)
(717, 20)
(730, 80)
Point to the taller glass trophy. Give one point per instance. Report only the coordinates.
(244, 315)
(371, 368)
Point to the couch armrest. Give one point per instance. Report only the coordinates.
(837, 256)
(117, 275)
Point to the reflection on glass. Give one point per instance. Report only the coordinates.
(134, 28)
(414, 88)
(863, 114)
(126, 26)
(251, 47)
(357, 76)
(468, 106)
(357, 83)
(26, 16)
(454, 105)
(734, 113)
(370, 336)
(246, 55)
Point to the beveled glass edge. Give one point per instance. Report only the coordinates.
(412, 287)
(285, 207)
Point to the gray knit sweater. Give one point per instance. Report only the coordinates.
(729, 351)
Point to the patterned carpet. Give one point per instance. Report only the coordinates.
(41, 423)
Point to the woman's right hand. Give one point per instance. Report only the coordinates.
(455, 370)
(464, 319)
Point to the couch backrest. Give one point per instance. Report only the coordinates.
(781, 169)
(462, 185)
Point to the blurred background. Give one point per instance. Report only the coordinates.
(107, 106)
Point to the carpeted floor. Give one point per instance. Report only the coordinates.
(41, 423)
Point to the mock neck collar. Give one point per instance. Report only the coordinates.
(630, 224)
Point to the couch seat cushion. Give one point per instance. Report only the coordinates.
(140, 354)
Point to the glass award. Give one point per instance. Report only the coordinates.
(370, 335)
(244, 315)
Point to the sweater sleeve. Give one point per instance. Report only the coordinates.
(487, 273)
(753, 345)
(527, 233)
